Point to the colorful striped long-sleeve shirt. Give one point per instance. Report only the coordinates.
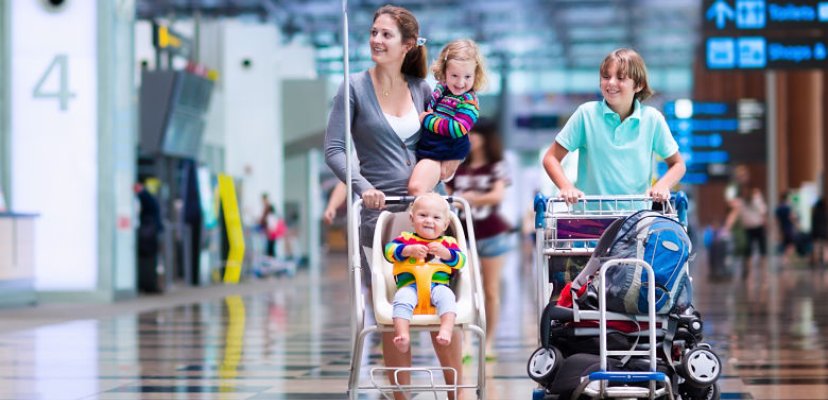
(393, 253)
(453, 116)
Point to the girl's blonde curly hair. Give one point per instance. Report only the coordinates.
(460, 50)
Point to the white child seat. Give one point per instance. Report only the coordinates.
(391, 225)
(466, 286)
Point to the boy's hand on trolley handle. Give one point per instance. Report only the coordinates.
(659, 193)
(571, 194)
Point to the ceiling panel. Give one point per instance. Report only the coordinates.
(528, 34)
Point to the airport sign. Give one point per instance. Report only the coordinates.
(758, 15)
(759, 52)
(711, 134)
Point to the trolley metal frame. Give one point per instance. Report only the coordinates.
(360, 331)
(549, 214)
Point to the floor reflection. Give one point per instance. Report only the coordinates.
(290, 339)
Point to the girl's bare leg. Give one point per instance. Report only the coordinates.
(424, 178)
(448, 168)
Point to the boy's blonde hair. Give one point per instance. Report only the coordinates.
(460, 50)
(629, 63)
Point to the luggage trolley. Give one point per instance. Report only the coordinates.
(573, 230)
(563, 230)
(470, 308)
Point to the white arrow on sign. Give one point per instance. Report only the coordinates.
(721, 11)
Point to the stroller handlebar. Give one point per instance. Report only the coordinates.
(399, 199)
(409, 199)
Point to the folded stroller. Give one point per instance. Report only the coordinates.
(612, 333)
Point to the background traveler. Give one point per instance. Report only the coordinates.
(482, 180)
(149, 231)
(747, 217)
(819, 233)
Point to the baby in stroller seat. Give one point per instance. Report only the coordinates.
(426, 247)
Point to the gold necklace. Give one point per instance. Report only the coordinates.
(387, 92)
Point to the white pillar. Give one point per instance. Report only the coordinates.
(70, 141)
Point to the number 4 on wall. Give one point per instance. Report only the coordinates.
(61, 63)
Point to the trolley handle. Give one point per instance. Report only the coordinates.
(677, 205)
(677, 201)
(399, 199)
(393, 200)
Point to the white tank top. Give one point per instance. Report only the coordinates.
(405, 126)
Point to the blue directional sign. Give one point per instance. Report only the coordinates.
(756, 15)
(750, 14)
(757, 52)
(766, 34)
(719, 12)
(711, 134)
(752, 52)
(721, 53)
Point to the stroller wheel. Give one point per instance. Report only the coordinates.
(701, 367)
(711, 392)
(543, 365)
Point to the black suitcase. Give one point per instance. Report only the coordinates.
(718, 260)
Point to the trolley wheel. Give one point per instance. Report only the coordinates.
(544, 364)
(711, 392)
(701, 367)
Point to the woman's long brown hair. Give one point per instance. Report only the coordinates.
(416, 60)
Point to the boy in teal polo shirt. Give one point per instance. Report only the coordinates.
(617, 138)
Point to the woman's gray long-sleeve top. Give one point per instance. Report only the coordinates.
(385, 161)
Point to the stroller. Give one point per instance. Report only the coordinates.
(594, 341)
(466, 284)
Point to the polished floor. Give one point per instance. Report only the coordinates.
(288, 338)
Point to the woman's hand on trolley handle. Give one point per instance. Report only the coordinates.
(373, 198)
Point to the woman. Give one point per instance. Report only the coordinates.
(386, 102)
(747, 217)
(482, 181)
